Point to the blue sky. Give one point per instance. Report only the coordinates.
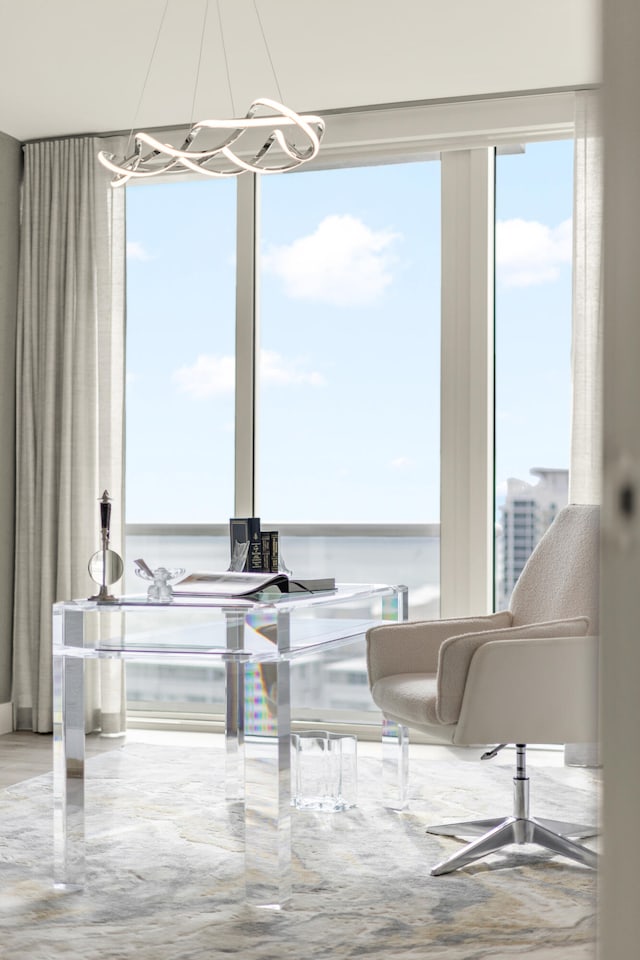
(534, 196)
(350, 301)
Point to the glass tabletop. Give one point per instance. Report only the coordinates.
(256, 628)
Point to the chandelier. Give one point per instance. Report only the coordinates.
(281, 139)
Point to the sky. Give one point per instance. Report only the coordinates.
(349, 294)
(534, 200)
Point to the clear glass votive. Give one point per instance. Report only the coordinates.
(324, 771)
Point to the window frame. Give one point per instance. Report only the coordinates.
(465, 136)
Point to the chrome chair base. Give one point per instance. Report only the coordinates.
(493, 834)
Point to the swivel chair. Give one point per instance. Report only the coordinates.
(523, 675)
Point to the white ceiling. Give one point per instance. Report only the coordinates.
(78, 66)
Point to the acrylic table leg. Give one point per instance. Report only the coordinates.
(395, 736)
(234, 731)
(268, 784)
(396, 606)
(68, 771)
(395, 764)
(234, 719)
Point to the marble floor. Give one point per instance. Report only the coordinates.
(165, 878)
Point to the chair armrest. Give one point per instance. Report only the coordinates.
(413, 647)
(456, 653)
(532, 691)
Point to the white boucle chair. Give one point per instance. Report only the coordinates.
(523, 675)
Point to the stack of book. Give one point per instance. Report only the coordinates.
(263, 555)
(254, 566)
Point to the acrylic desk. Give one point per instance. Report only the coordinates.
(257, 640)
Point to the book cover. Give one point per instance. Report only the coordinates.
(254, 560)
(274, 551)
(265, 537)
(232, 584)
(308, 585)
(244, 534)
(228, 584)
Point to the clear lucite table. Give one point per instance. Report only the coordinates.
(258, 641)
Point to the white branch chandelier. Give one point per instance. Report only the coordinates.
(286, 139)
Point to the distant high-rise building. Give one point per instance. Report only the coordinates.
(528, 510)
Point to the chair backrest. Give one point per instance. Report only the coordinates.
(562, 576)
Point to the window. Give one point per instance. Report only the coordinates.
(180, 395)
(534, 198)
(349, 402)
(349, 398)
(180, 352)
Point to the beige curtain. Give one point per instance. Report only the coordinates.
(586, 437)
(585, 474)
(70, 406)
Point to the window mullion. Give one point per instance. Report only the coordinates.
(466, 546)
(247, 339)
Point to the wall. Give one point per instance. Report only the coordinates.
(326, 54)
(620, 925)
(10, 173)
(378, 52)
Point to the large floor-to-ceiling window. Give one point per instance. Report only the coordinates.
(181, 295)
(180, 402)
(534, 199)
(349, 387)
(286, 358)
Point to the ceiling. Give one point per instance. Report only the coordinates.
(79, 66)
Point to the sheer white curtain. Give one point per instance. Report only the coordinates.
(586, 437)
(70, 407)
(585, 474)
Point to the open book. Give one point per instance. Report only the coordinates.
(232, 584)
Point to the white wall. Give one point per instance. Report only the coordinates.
(327, 54)
(382, 51)
(620, 926)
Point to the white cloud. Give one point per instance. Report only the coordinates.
(207, 377)
(275, 368)
(401, 463)
(211, 375)
(530, 253)
(344, 263)
(135, 251)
